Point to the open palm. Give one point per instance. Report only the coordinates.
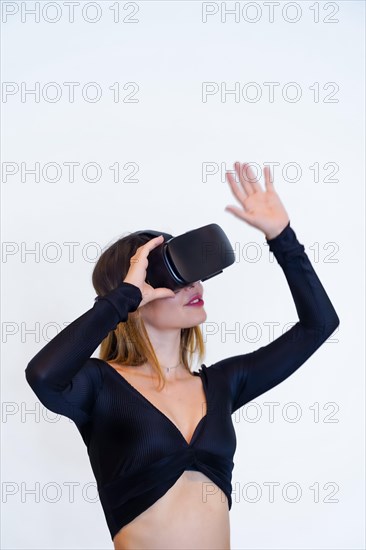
(261, 209)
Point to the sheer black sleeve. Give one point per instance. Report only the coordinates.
(252, 374)
(62, 374)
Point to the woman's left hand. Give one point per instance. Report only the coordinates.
(261, 209)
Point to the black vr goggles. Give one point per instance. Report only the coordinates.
(196, 255)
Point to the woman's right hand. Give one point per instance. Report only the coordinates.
(137, 273)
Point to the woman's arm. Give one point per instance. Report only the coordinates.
(254, 373)
(62, 375)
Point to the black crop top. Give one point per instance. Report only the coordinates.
(136, 452)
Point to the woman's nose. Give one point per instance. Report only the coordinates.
(191, 285)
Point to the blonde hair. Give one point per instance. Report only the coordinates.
(129, 343)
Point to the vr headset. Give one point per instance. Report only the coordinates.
(196, 255)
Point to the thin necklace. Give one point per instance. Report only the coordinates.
(169, 368)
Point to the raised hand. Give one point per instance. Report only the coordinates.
(136, 274)
(261, 209)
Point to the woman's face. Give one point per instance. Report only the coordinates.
(173, 312)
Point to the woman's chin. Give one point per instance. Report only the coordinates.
(199, 316)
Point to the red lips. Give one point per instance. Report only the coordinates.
(194, 297)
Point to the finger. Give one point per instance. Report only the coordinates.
(155, 241)
(246, 185)
(143, 250)
(149, 245)
(247, 178)
(238, 191)
(247, 216)
(163, 293)
(252, 178)
(166, 292)
(268, 179)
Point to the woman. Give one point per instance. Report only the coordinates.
(163, 456)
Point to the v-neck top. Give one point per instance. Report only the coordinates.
(136, 452)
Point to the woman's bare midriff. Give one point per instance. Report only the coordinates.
(193, 514)
(184, 518)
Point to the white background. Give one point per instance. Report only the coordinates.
(169, 52)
